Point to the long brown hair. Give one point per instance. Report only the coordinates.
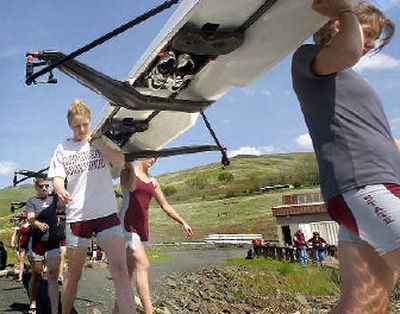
(366, 13)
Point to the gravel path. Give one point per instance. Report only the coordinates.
(96, 290)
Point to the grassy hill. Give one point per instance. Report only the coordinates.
(213, 200)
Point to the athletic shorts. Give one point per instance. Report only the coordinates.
(79, 233)
(39, 250)
(130, 238)
(369, 214)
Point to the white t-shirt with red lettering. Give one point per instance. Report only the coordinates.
(89, 180)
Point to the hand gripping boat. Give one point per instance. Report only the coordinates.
(206, 48)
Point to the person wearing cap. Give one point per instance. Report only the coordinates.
(20, 241)
(318, 245)
(44, 243)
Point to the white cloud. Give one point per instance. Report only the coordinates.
(7, 167)
(304, 141)
(267, 92)
(377, 62)
(248, 91)
(395, 2)
(252, 150)
(395, 120)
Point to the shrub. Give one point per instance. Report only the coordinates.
(225, 176)
(199, 182)
(169, 189)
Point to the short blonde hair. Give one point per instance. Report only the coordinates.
(78, 107)
(366, 13)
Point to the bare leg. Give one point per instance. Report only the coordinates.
(367, 279)
(21, 259)
(76, 260)
(53, 263)
(63, 251)
(139, 259)
(115, 249)
(34, 283)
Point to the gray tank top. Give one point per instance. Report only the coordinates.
(348, 127)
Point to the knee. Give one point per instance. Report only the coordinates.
(53, 273)
(74, 276)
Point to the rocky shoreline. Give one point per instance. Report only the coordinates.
(219, 290)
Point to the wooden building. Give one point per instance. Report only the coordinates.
(306, 212)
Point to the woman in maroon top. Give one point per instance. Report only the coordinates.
(138, 189)
(20, 241)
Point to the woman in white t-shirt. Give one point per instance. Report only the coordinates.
(91, 205)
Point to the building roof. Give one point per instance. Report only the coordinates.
(299, 209)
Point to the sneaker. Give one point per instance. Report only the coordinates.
(60, 280)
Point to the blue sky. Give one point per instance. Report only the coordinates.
(260, 119)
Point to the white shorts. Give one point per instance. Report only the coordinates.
(369, 214)
(131, 238)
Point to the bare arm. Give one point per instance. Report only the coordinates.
(397, 143)
(346, 47)
(128, 178)
(63, 194)
(36, 223)
(167, 208)
(14, 237)
(116, 157)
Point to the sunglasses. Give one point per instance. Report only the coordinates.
(41, 186)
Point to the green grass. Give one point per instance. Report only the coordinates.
(236, 206)
(270, 274)
(156, 257)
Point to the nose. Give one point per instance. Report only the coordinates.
(370, 44)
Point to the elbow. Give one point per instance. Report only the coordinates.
(119, 161)
(351, 56)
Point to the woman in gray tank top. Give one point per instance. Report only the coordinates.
(358, 159)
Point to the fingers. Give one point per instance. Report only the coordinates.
(65, 197)
(188, 231)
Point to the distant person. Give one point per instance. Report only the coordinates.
(359, 163)
(250, 254)
(20, 241)
(3, 256)
(300, 245)
(44, 243)
(138, 189)
(318, 245)
(91, 205)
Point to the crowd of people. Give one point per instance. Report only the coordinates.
(302, 250)
(359, 166)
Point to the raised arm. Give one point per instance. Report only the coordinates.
(346, 47)
(128, 177)
(114, 156)
(167, 208)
